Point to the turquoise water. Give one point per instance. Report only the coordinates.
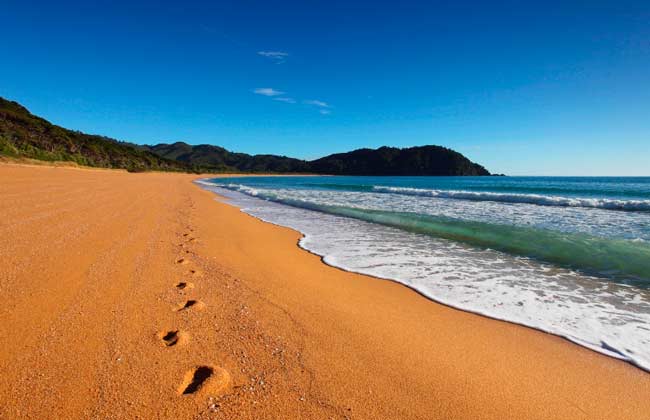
(597, 225)
(623, 188)
(570, 256)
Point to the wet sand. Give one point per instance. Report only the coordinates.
(141, 296)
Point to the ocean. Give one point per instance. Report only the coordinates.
(565, 255)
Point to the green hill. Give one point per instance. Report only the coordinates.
(423, 160)
(28, 136)
(217, 158)
(25, 135)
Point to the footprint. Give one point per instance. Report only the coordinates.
(205, 378)
(172, 338)
(182, 285)
(190, 304)
(187, 243)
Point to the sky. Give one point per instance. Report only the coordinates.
(523, 88)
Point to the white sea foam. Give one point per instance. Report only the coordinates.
(610, 318)
(541, 200)
(591, 221)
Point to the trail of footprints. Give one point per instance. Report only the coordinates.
(203, 378)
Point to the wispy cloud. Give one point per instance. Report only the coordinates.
(277, 56)
(277, 95)
(284, 99)
(318, 103)
(268, 92)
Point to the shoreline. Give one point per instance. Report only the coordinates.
(94, 260)
(604, 350)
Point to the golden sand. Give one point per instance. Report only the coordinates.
(140, 296)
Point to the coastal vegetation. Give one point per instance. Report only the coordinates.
(24, 135)
(215, 158)
(423, 160)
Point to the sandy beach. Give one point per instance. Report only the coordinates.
(142, 296)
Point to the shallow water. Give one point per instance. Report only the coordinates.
(573, 268)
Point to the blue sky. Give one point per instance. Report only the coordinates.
(539, 88)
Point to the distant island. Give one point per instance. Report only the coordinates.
(24, 135)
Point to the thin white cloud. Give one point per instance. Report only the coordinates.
(284, 99)
(316, 102)
(277, 56)
(268, 92)
(277, 95)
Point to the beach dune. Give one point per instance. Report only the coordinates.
(142, 296)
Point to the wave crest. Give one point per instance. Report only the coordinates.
(620, 260)
(540, 200)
